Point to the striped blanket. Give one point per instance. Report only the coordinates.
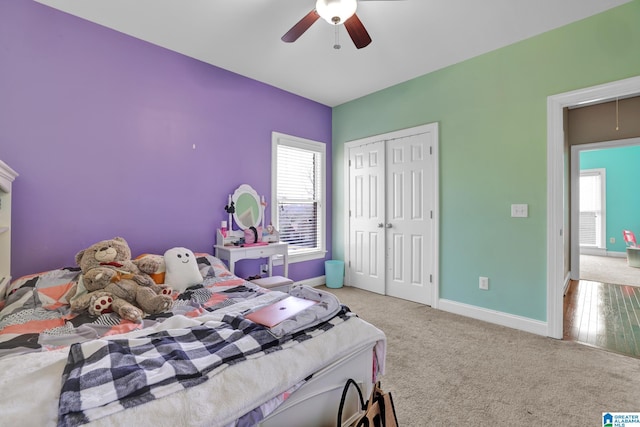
(35, 314)
(105, 376)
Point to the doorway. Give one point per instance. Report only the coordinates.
(392, 223)
(585, 204)
(558, 241)
(600, 304)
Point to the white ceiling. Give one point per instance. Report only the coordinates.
(410, 37)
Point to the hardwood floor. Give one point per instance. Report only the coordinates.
(603, 315)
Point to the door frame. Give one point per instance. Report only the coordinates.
(557, 280)
(435, 224)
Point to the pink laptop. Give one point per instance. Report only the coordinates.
(275, 313)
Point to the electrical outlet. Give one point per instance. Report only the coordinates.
(612, 240)
(484, 283)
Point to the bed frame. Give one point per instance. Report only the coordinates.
(316, 403)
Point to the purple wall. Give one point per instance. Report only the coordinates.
(100, 127)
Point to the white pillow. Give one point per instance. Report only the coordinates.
(182, 269)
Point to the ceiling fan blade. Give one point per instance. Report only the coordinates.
(303, 25)
(357, 32)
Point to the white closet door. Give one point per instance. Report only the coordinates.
(366, 268)
(409, 210)
(391, 226)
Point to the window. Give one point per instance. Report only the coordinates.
(298, 195)
(592, 215)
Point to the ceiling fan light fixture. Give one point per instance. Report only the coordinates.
(336, 11)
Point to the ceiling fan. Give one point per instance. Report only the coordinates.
(335, 12)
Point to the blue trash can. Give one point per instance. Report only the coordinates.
(334, 273)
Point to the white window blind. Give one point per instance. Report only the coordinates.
(591, 225)
(300, 194)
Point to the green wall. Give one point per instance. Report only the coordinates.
(493, 134)
(623, 199)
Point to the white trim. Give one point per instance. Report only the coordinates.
(435, 224)
(313, 281)
(565, 287)
(555, 185)
(583, 250)
(294, 258)
(598, 252)
(616, 254)
(436, 218)
(616, 143)
(7, 176)
(497, 317)
(306, 256)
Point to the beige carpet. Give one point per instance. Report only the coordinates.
(606, 269)
(448, 370)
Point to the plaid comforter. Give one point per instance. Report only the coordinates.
(105, 376)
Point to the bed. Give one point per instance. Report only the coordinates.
(201, 363)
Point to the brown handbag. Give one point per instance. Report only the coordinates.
(379, 410)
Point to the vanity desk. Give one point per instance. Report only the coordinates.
(231, 254)
(246, 210)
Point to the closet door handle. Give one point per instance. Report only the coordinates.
(389, 225)
(380, 225)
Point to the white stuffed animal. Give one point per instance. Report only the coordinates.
(181, 269)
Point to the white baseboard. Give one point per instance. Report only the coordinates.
(617, 254)
(313, 281)
(603, 252)
(593, 251)
(497, 317)
(567, 279)
(492, 316)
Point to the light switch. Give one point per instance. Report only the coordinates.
(520, 210)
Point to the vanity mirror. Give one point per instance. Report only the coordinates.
(246, 210)
(248, 207)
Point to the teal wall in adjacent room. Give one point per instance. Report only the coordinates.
(492, 113)
(622, 206)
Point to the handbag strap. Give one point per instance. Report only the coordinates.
(375, 392)
(386, 406)
(350, 381)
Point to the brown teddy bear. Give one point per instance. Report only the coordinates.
(101, 302)
(107, 267)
